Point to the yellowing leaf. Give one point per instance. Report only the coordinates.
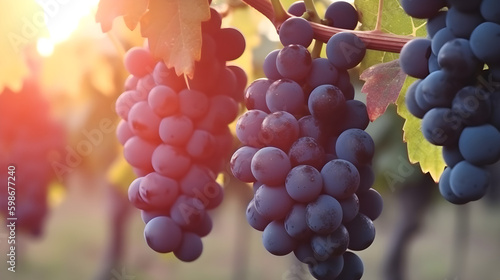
(131, 10)
(382, 86)
(23, 21)
(419, 150)
(173, 28)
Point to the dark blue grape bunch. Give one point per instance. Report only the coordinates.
(306, 152)
(457, 94)
(175, 135)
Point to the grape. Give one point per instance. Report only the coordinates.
(304, 183)
(163, 235)
(145, 84)
(345, 50)
(255, 95)
(273, 203)
(356, 146)
(139, 61)
(123, 132)
(356, 115)
(438, 89)
(213, 24)
(482, 39)
(433, 63)
(479, 144)
(138, 152)
(367, 177)
(371, 204)
(469, 182)
(162, 75)
(297, 8)
(341, 178)
(344, 84)
(436, 23)
(445, 188)
(361, 232)
(342, 15)
(254, 218)
(143, 122)
(201, 145)
(197, 181)
(326, 102)
(230, 44)
(411, 102)
(203, 228)
(241, 82)
(226, 84)
(190, 248)
(193, 104)
(240, 164)
(126, 100)
(187, 211)
(350, 208)
(306, 150)
(310, 127)
(248, 127)
(441, 126)
(270, 166)
(452, 155)
(176, 130)
(473, 106)
(329, 269)
(465, 5)
(495, 114)
(285, 95)
(457, 59)
(333, 244)
(163, 101)
(296, 30)
(414, 57)
(440, 38)
(353, 267)
(322, 72)
(158, 191)
(295, 223)
(294, 62)
(422, 9)
(490, 10)
(269, 66)
(324, 215)
(131, 82)
(276, 240)
(170, 161)
(304, 253)
(461, 24)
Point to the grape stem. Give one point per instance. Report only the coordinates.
(374, 40)
(314, 17)
(378, 26)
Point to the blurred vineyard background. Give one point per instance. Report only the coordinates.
(80, 73)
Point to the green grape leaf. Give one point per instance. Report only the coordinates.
(131, 10)
(173, 29)
(419, 149)
(386, 80)
(394, 20)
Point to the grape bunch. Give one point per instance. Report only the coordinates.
(175, 135)
(307, 154)
(30, 141)
(457, 93)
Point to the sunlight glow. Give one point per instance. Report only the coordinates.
(62, 17)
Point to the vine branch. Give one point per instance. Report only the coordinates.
(374, 40)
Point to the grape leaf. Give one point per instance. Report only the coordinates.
(173, 29)
(394, 20)
(131, 10)
(419, 149)
(23, 22)
(383, 83)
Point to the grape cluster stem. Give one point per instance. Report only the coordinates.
(374, 40)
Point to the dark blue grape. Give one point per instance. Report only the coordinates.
(329, 269)
(353, 267)
(490, 10)
(322, 72)
(482, 40)
(436, 23)
(452, 155)
(350, 208)
(342, 14)
(269, 66)
(294, 62)
(270, 166)
(414, 57)
(285, 95)
(298, 8)
(440, 38)
(473, 105)
(479, 145)
(163, 235)
(457, 59)
(356, 146)
(273, 203)
(370, 203)
(466, 6)
(295, 223)
(469, 182)
(279, 129)
(461, 24)
(306, 150)
(345, 50)
(355, 116)
(333, 244)
(361, 232)
(304, 183)
(326, 102)
(441, 126)
(340, 178)
(411, 102)
(276, 240)
(438, 89)
(445, 188)
(423, 8)
(254, 218)
(296, 30)
(190, 249)
(324, 215)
